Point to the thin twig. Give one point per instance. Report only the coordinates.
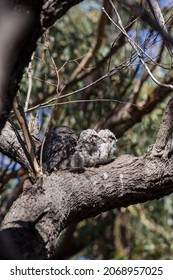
(48, 103)
(95, 46)
(20, 115)
(41, 153)
(30, 74)
(137, 48)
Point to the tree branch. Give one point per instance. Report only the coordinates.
(11, 145)
(20, 115)
(64, 198)
(145, 16)
(88, 58)
(128, 180)
(156, 11)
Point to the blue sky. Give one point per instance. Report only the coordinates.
(166, 2)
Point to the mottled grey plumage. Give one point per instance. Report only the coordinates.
(93, 149)
(107, 146)
(59, 144)
(87, 147)
(63, 148)
(86, 151)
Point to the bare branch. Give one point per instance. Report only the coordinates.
(20, 115)
(156, 11)
(116, 46)
(30, 75)
(137, 48)
(137, 11)
(96, 45)
(129, 115)
(21, 24)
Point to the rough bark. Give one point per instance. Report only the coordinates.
(21, 24)
(31, 228)
(63, 198)
(12, 145)
(45, 209)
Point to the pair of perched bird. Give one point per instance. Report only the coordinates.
(63, 148)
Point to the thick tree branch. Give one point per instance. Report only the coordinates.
(11, 145)
(64, 198)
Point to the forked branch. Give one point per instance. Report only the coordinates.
(64, 198)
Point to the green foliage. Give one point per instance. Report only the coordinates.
(143, 232)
